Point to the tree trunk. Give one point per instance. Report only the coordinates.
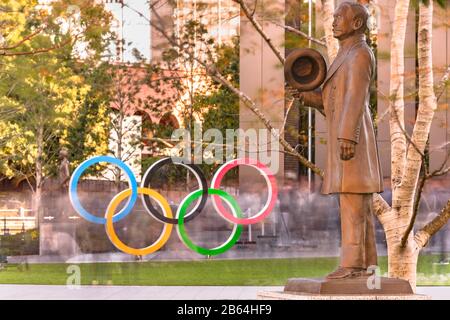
(397, 121)
(427, 103)
(327, 17)
(37, 207)
(403, 260)
(121, 119)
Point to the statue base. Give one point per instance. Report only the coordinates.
(356, 285)
(266, 295)
(358, 288)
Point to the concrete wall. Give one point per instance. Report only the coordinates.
(261, 73)
(157, 42)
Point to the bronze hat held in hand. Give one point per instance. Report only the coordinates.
(305, 69)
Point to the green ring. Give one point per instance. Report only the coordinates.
(227, 245)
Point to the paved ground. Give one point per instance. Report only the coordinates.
(44, 292)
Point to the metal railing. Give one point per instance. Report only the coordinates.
(16, 221)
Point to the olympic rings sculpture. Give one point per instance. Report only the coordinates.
(166, 215)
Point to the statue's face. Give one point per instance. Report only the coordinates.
(344, 23)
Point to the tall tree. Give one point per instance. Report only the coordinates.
(403, 244)
(43, 89)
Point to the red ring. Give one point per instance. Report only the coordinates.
(271, 183)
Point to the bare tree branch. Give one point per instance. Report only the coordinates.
(37, 51)
(163, 141)
(302, 34)
(258, 27)
(380, 205)
(290, 104)
(423, 236)
(23, 40)
(442, 83)
(417, 198)
(407, 136)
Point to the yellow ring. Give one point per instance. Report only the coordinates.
(112, 233)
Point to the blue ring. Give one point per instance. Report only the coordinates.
(74, 183)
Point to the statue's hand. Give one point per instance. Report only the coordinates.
(304, 97)
(310, 98)
(347, 148)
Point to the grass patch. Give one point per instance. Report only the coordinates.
(254, 272)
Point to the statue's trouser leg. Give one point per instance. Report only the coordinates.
(358, 249)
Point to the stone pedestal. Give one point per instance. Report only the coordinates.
(358, 288)
(266, 295)
(358, 285)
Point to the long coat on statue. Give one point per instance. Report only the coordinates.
(345, 98)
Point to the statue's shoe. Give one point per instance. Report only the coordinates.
(343, 272)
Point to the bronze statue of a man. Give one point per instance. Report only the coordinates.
(353, 169)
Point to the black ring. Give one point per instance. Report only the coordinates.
(146, 183)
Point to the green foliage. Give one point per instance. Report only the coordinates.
(297, 17)
(220, 109)
(23, 243)
(88, 134)
(48, 92)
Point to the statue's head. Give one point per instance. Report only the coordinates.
(63, 153)
(349, 19)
